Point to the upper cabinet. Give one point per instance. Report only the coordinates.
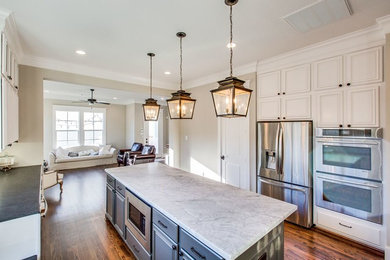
(270, 84)
(296, 80)
(353, 69)
(364, 67)
(328, 73)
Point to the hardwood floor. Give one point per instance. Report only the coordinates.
(75, 227)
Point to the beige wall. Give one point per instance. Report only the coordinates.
(115, 124)
(386, 145)
(29, 150)
(199, 144)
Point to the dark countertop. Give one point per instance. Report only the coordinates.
(19, 192)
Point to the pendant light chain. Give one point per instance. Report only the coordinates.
(231, 41)
(151, 57)
(181, 63)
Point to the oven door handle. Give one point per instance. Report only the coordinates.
(349, 182)
(344, 143)
(283, 186)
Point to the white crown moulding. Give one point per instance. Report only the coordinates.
(368, 37)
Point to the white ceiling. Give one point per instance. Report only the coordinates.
(117, 34)
(74, 92)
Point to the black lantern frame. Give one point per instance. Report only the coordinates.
(151, 105)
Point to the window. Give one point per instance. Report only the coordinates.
(79, 126)
(93, 128)
(67, 128)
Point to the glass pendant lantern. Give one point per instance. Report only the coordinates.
(181, 105)
(151, 108)
(231, 98)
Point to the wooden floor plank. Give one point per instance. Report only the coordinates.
(75, 227)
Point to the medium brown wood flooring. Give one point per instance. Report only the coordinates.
(75, 227)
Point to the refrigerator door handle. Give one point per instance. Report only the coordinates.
(282, 185)
(277, 149)
(281, 149)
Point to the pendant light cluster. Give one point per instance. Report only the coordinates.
(151, 108)
(231, 98)
(181, 105)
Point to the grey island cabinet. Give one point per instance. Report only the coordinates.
(164, 213)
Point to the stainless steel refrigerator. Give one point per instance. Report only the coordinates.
(285, 164)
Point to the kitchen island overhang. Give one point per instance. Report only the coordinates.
(226, 219)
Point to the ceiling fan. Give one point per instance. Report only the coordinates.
(91, 101)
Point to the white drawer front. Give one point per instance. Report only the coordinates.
(349, 227)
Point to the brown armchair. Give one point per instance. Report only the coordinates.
(148, 155)
(125, 154)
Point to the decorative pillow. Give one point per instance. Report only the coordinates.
(73, 154)
(84, 153)
(136, 147)
(61, 153)
(104, 149)
(147, 149)
(95, 153)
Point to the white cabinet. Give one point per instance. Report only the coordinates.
(330, 109)
(4, 55)
(348, 107)
(296, 80)
(268, 108)
(292, 107)
(269, 84)
(10, 115)
(364, 67)
(328, 73)
(362, 107)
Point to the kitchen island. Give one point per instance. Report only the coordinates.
(229, 222)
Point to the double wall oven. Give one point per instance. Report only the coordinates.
(138, 219)
(349, 172)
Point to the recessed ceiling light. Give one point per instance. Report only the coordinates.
(80, 52)
(115, 98)
(167, 73)
(231, 46)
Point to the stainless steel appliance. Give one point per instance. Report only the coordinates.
(349, 172)
(355, 197)
(350, 152)
(138, 219)
(284, 156)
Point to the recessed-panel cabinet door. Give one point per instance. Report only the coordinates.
(163, 247)
(268, 84)
(330, 109)
(328, 73)
(296, 80)
(120, 213)
(362, 106)
(364, 67)
(10, 113)
(110, 204)
(297, 107)
(268, 108)
(4, 50)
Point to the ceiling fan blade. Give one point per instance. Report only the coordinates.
(102, 103)
(80, 102)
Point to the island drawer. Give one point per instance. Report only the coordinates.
(135, 247)
(110, 181)
(166, 225)
(195, 248)
(120, 188)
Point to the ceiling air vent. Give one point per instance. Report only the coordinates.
(318, 14)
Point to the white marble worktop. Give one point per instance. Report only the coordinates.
(227, 219)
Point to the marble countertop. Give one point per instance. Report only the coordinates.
(227, 219)
(19, 192)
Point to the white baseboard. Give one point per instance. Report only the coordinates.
(387, 253)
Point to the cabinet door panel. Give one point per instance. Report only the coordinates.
(330, 109)
(364, 67)
(296, 79)
(120, 214)
(4, 51)
(297, 107)
(268, 109)
(110, 203)
(163, 247)
(328, 73)
(268, 84)
(10, 113)
(362, 106)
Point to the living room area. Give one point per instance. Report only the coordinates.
(87, 126)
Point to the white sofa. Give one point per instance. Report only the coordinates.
(67, 162)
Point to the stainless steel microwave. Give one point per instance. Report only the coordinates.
(350, 152)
